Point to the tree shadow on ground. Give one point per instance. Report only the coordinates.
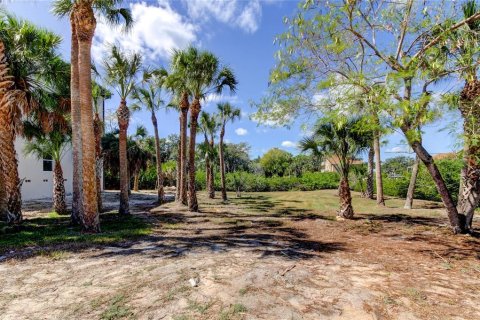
(403, 219)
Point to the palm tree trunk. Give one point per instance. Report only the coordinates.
(10, 169)
(411, 186)
(463, 174)
(378, 169)
(207, 175)
(426, 158)
(192, 194)
(222, 163)
(98, 129)
(3, 195)
(346, 209)
(59, 204)
(370, 192)
(85, 26)
(211, 182)
(136, 178)
(123, 115)
(160, 191)
(184, 106)
(178, 175)
(76, 128)
(12, 206)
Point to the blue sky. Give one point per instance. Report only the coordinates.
(240, 32)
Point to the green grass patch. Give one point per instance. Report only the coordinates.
(117, 309)
(57, 230)
(232, 311)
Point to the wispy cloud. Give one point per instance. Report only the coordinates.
(289, 144)
(244, 14)
(241, 131)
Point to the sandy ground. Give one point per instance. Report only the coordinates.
(252, 262)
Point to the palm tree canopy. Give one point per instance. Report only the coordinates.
(199, 73)
(149, 94)
(107, 9)
(53, 144)
(121, 71)
(344, 139)
(209, 124)
(227, 112)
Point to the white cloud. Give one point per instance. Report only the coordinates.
(240, 13)
(398, 150)
(241, 131)
(216, 98)
(158, 29)
(289, 144)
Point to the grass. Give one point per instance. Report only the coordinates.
(57, 230)
(117, 309)
(232, 311)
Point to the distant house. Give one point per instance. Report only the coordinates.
(37, 175)
(331, 163)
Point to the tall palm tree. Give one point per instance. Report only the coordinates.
(204, 76)
(344, 140)
(28, 62)
(99, 94)
(150, 96)
(177, 84)
(226, 113)
(138, 154)
(121, 71)
(52, 145)
(209, 126)
(83, 24)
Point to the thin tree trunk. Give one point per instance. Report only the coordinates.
(463, 174)
(346, 208)
(183, 138)
(192, 194)
(378, 169)
(98, 129)
(411, 186)
(222, 164)
(59, 204)
(370, 192)
(136, 180)
(160, 190)
(123, 115)
(178, 176)
(207, 175)
(211, 186)
(432, 168)
(85, 26)
(3, 195)
(77, 206)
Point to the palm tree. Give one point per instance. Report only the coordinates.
(98, 128)
(121, 69)
(204, 76)
(344, 140)
(28, 65)
(138, 154)
(209, 126)
(150, 97)
(226, 113)
(177, 84)
(52, 145)
(83, 24)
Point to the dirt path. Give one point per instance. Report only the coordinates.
(252, 262)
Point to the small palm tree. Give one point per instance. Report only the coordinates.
(226, 113)
(209, 126)
(138, 154)
(344, 140)
(204, 76)
(121, 70)
(52, 145)
(83, 24)
(150, 96)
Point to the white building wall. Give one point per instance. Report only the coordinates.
(37, 183)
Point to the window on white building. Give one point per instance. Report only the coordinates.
(47, 164)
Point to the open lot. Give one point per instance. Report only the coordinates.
(263, 256)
